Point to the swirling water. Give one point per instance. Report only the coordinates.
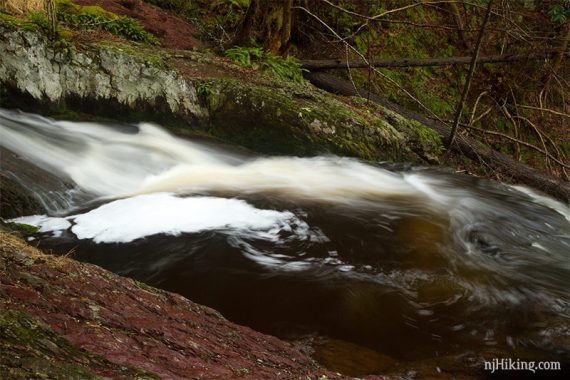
(410, 262)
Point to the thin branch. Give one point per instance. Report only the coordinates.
(475, 107)
(545, 110)
(485, 113)
(537, 130)
(349, 46)
(516, 128)
(350, 73)
(543, 135)
(461, 104)
(521, 142)
(515, 124)
(380, 15)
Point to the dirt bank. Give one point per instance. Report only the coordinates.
(172, 31)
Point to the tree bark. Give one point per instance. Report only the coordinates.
(466, 146)
(461, 105)
(460, 25)
(326, 64)
(267, 23)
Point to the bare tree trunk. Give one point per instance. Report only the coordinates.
(52, 18)
(459, 23)
(267, 22)
(461, 104)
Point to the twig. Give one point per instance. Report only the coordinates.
(515, 124)
(545, 110)
(380, 15)
(461, 104)
(475, 107)
(516, 128)
(521, 142)
(541, 136)
(349, 46)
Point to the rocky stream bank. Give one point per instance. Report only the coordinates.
(61, 319)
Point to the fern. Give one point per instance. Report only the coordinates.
(94, 17)
(282, 68)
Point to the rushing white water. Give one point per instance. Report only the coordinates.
(122, 161)
(421, 250)
(114, 162)
(552, 204)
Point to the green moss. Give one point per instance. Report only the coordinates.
(427, 135)
(153, 57)
(25, 228)
(30, 349)
(143, 286)
(19, 22)
(95, 17)
(292, 119)
(417, 137)
(96, 10)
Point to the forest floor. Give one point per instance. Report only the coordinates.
(172, 31)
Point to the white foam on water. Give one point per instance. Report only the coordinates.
(125, 220)
(44, 223)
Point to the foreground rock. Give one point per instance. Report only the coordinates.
(63, 319)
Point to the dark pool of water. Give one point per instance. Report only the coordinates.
(388, 276)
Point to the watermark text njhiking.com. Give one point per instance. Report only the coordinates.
(508, 364)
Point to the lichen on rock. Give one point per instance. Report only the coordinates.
(108, 72)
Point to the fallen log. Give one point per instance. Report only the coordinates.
(325, 64)
(470, 148)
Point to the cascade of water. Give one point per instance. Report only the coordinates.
(421, 240)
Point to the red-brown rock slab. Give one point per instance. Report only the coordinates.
(136, 326)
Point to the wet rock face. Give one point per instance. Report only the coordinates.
(15, 199)
(26, 189)
(56, 313)
(30, 64)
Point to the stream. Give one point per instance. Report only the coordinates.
(411, 263)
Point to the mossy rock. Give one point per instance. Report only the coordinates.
(422, 140)
(29, 349)
(16, 200)
(247, 108)
(294, 119)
